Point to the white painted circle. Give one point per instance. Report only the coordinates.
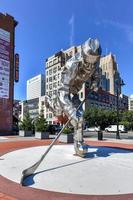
(106, 171)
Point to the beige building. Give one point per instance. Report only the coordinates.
(54, 66)
(110, 75)
(130, 103)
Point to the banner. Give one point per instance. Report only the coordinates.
(4, 63)
(16, 67)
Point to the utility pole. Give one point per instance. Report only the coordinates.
(119, 83)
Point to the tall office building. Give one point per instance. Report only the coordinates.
(110, 76)
(7, 69)
(35, 96)
(105, 98)
(36, 87)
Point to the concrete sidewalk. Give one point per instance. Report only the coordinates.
(10, 190)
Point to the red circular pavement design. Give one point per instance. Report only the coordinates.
(10, 190)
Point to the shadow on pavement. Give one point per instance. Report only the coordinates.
(98, 152)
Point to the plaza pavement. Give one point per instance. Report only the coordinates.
(10, 190)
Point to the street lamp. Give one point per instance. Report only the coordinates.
(119, 84)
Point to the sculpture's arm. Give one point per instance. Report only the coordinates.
(49, 104)
(95, 80)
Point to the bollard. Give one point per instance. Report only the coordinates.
(100, 135)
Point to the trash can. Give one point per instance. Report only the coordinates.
(100, 135)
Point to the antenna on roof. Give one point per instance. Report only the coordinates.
(106, 51)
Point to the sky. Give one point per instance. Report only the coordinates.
(47, 26)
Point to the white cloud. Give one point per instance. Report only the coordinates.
(72, 24)
(128, 29)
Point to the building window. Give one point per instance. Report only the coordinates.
(55, 92)
(47, 79)
(50, 71)
(81, 94)
(50, 79)
(50, 63)
(50, 86)
(54, 77)
(50, 93)
(55, 61)
(55, 85)
(55, 70)
(50, 115)
(42, 103)
(59, 67)
(58, 76)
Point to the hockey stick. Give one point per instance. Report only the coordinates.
(29, 171)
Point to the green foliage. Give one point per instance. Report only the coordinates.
(41, 123)
(27, 123)
(100, 117)
(127, 119)
(104, 118)
(67, 130)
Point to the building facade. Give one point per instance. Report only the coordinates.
(36, 87)
(35, 92)
(30, 106)
(110, 76)
(7, 68)
(54, 67)
(105, 100)
(130, 102)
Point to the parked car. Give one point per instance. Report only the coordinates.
(113, 128)
(92, 129)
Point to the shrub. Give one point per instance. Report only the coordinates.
(41, 123)
(67, 130)
(27, 123)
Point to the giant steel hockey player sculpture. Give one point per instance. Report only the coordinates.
(82, 67)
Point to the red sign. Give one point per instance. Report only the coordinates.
(16, 67)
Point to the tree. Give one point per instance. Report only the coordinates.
(127, 119)
(100, 117)
(41, 123)
(27, 123)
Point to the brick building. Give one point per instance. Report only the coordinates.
(7, 44)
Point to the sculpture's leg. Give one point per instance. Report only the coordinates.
(80, 147)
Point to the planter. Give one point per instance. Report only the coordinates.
(42, 135)
(25, 133)
(66, 138)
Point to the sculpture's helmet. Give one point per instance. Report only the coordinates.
(92, 46)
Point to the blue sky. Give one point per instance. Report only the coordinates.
(47, 26)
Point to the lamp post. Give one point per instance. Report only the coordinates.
(119, 84)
